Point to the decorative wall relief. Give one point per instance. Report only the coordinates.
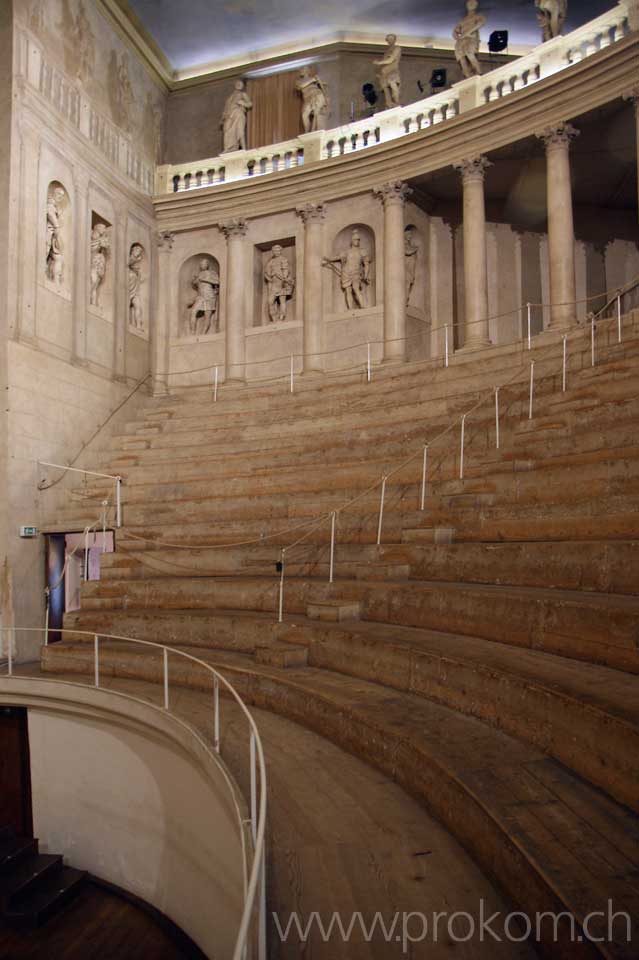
(279, 282)
(352, 266)
(411, 249)
(202, 306)
(100, 249)
(79, 41)
(137, 258)
(57, 231)
(121, 96)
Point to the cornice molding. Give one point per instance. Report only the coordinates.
(599, 79)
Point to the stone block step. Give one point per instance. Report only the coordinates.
(555, 842)
(334, 610)
(284, 655)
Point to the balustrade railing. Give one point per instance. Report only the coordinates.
(544, 60)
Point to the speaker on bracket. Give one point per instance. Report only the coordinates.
(498, 41)
(438, 79)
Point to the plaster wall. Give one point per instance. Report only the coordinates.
(143, 810)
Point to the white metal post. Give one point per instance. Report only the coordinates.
(166, 678)
(291, 373)
(532, 389)
(497, 417)
(381, 512)
(592, 341)
(563, 375)
(253, 788)
(118, 501)
(281, 605)
(461, 449)
(422, 505)
(332, 562)
(368, 362)
(216, 714)
(619, 317)
(47, 595)
(215, 386)
(262, 916)
(86, 554)
(446, 348)
(96, 660)
(529, 308)
(9, 652)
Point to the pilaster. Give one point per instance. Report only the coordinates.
(313, 216)
(393, 197)
(235, 232)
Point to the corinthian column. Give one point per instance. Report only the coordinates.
(82, 240)
(633, 96)
(561, 231)
(160, 328)
(393, 196)
(235, 232)
(313, 215)
(475, 255)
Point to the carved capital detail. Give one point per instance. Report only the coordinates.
(473, 168)
(395, 191)
(558, 136)
(165, 241)
(312, 212)
(233, 228)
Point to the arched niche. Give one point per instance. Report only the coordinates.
(343, 243)
(100, 266)
(138, 285)
(59, 238)
(199, 296)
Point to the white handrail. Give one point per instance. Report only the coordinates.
(258, 800)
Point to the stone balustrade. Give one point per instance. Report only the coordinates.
(542, 61)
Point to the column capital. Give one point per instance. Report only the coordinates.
(559, 136)
(312, 212)
(233, 228)
(473, 168)
(395, 191)
(165, 241)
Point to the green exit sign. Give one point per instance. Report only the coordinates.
(28, 532)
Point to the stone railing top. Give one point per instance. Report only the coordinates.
(543, 61)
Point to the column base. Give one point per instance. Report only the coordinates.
(398, 359)
(472, 345)
(312, 373)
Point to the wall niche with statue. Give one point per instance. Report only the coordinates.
(59, 239)
(199, 296)
(274, 278)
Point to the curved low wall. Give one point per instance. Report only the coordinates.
(130, 794)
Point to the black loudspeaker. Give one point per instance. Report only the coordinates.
(498, 41)
(438, 79)
(368, 92)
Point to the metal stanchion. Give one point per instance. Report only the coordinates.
(424, 465)
(461, 449)
(368, 362)
(497, 417)
(281, 600)
(532, 389)
(446, 346)
(563, 374)
(381, 512)
(332, 561)
(215, 386)
(529, 309)
(166, 679)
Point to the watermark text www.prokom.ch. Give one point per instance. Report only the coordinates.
(600, 926)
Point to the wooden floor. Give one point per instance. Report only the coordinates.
(342, 837)
(98, 925)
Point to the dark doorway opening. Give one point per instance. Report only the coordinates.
(15, 771)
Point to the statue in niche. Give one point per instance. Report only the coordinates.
(136, 278)
(55, 255)
(203, 306)
(100, 246)
(354, 272)
(279, 284)
(234, 118)
(315, 101)
(388, 75)
(551, 16)
(466, 37)
(410, 259)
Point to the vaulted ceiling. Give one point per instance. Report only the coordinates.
(205, 33)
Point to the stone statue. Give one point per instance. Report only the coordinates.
(353, 271)
(55, 255)
(100, 246)
(279, 284)
(388, 75)
(203, 306)
(552, 16)
(315, 102)
(410, 258)
(234, 118)
(466, 37)
(136, 316)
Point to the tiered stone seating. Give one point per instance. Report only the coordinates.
(485, 655)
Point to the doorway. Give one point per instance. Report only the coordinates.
(15, 771)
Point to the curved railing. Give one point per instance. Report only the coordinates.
(543, 61)
(251, 936)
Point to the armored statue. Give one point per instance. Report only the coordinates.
(234, 118)
(388, 75)
(410, 259)
(552, 16)
(315, 102)
(279, 284)
(466, 37)
(353, 271)
(203, 306)
(100, 245)
(55, 255)
(136, 317)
